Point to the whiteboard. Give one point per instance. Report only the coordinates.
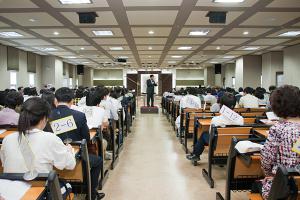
(144, 78)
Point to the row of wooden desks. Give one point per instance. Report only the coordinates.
(34, 193)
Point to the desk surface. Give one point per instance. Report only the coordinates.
(262, 132)
(204, 122)
(33, 193)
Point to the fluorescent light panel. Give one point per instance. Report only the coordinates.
(228, 57)
(228, 1)
(184, 48)
(116, 48)
(290, 34)
(251, 48)
(176, 56)
(46, 48)
(75, 1)
(199, 33)
(10, 34)
(103, 33)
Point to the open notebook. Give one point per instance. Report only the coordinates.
(8, 189)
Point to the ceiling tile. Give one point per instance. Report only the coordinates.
(95, 3)
(150, 40)
(199, 18)
(277, 48)
(8, 43)
(108, 41)
(89, 32)
(71, 41)
(134, 3)
(42, 19)
(150, 52)
(162, 17)
(104, 18)
(227, 41)
(32, 42)
(154, 47)
(247, 3)
(253, 32)
(285, 4)
(297, 24)
(175, 47)
(17, 4)
(119, 52)
(63, 32)
(243, 47)
(180, 52)
(125, 47)
(2, 24)
(158, 31)
(185, 41)
(222, 48)
(268, 41)
(271, 18)
(79, 48)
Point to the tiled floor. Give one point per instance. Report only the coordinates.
(153, 166)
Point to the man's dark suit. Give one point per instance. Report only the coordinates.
(82, 132)
(150, 92)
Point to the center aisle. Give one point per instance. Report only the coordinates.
(153, 166)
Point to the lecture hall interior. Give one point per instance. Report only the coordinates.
(149, 99)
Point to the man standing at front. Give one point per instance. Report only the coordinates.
(150, 90)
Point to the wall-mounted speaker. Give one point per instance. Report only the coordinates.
(87, 17)
(80, 69)
(218, 68)
(216, 17)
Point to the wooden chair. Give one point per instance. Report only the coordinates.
(219, 144)
(252, 114)
(183, 120)
(284, 186)
(9, 127)
(242, 169)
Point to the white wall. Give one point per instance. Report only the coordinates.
(291, 65)
(229, 72)
(22, 74)
(239, 73)
(272, 62)
(189, 74)
(108, 74)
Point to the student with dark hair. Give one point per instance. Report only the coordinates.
(277, 150)
(9, 115)
(65, 98)
(248, 100)
(49, 97)
(47, 148)
(228, 100)
(209, 98)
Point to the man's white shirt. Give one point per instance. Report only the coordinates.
(249, 101)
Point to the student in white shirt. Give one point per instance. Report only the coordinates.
(48, 149)
(228, 100)
(209, 98)
(190, 100)
(248, 100)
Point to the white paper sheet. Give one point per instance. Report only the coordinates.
(2, 131)
(247, 146)
(13, 190)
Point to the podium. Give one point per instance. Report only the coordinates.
(148, 110)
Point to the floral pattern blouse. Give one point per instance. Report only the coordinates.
(278, 151)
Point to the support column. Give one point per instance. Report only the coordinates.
(209, 76)
(88, 77)
(52, 71)
(272, 63)
(291, 62)
(248, 71)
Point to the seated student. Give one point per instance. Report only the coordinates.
(259, 93)
(190, 100)
(8, 115)
(228, 100)
(277, 150)
(248, 100)
(209, 98)
(64, 98)
(215, 107)
(239, 94)
(48, 149)
(49, 97)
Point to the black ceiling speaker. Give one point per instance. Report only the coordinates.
(121, 60)
(87, 17)
(216, 17)
(80, 70)
(218, 69)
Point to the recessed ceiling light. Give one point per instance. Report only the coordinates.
(199, 33)
(151, 32)
(176, 56)
(75, 1)
(150, 48)
(184, 48)
(46, 48)
(251, 48)
(116, 48)
(9, 34)
(290, 34)
(228, 1)
(82, 48)
(245, 32)
(218, 48)
(55, 33)
(149, 56)
(32, 20)
(229, 57)
(103, 33)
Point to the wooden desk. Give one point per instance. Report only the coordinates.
(204, 125)
(262, 132)
(6, 133)
(33, 193)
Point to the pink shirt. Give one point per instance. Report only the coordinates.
(9, 116)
